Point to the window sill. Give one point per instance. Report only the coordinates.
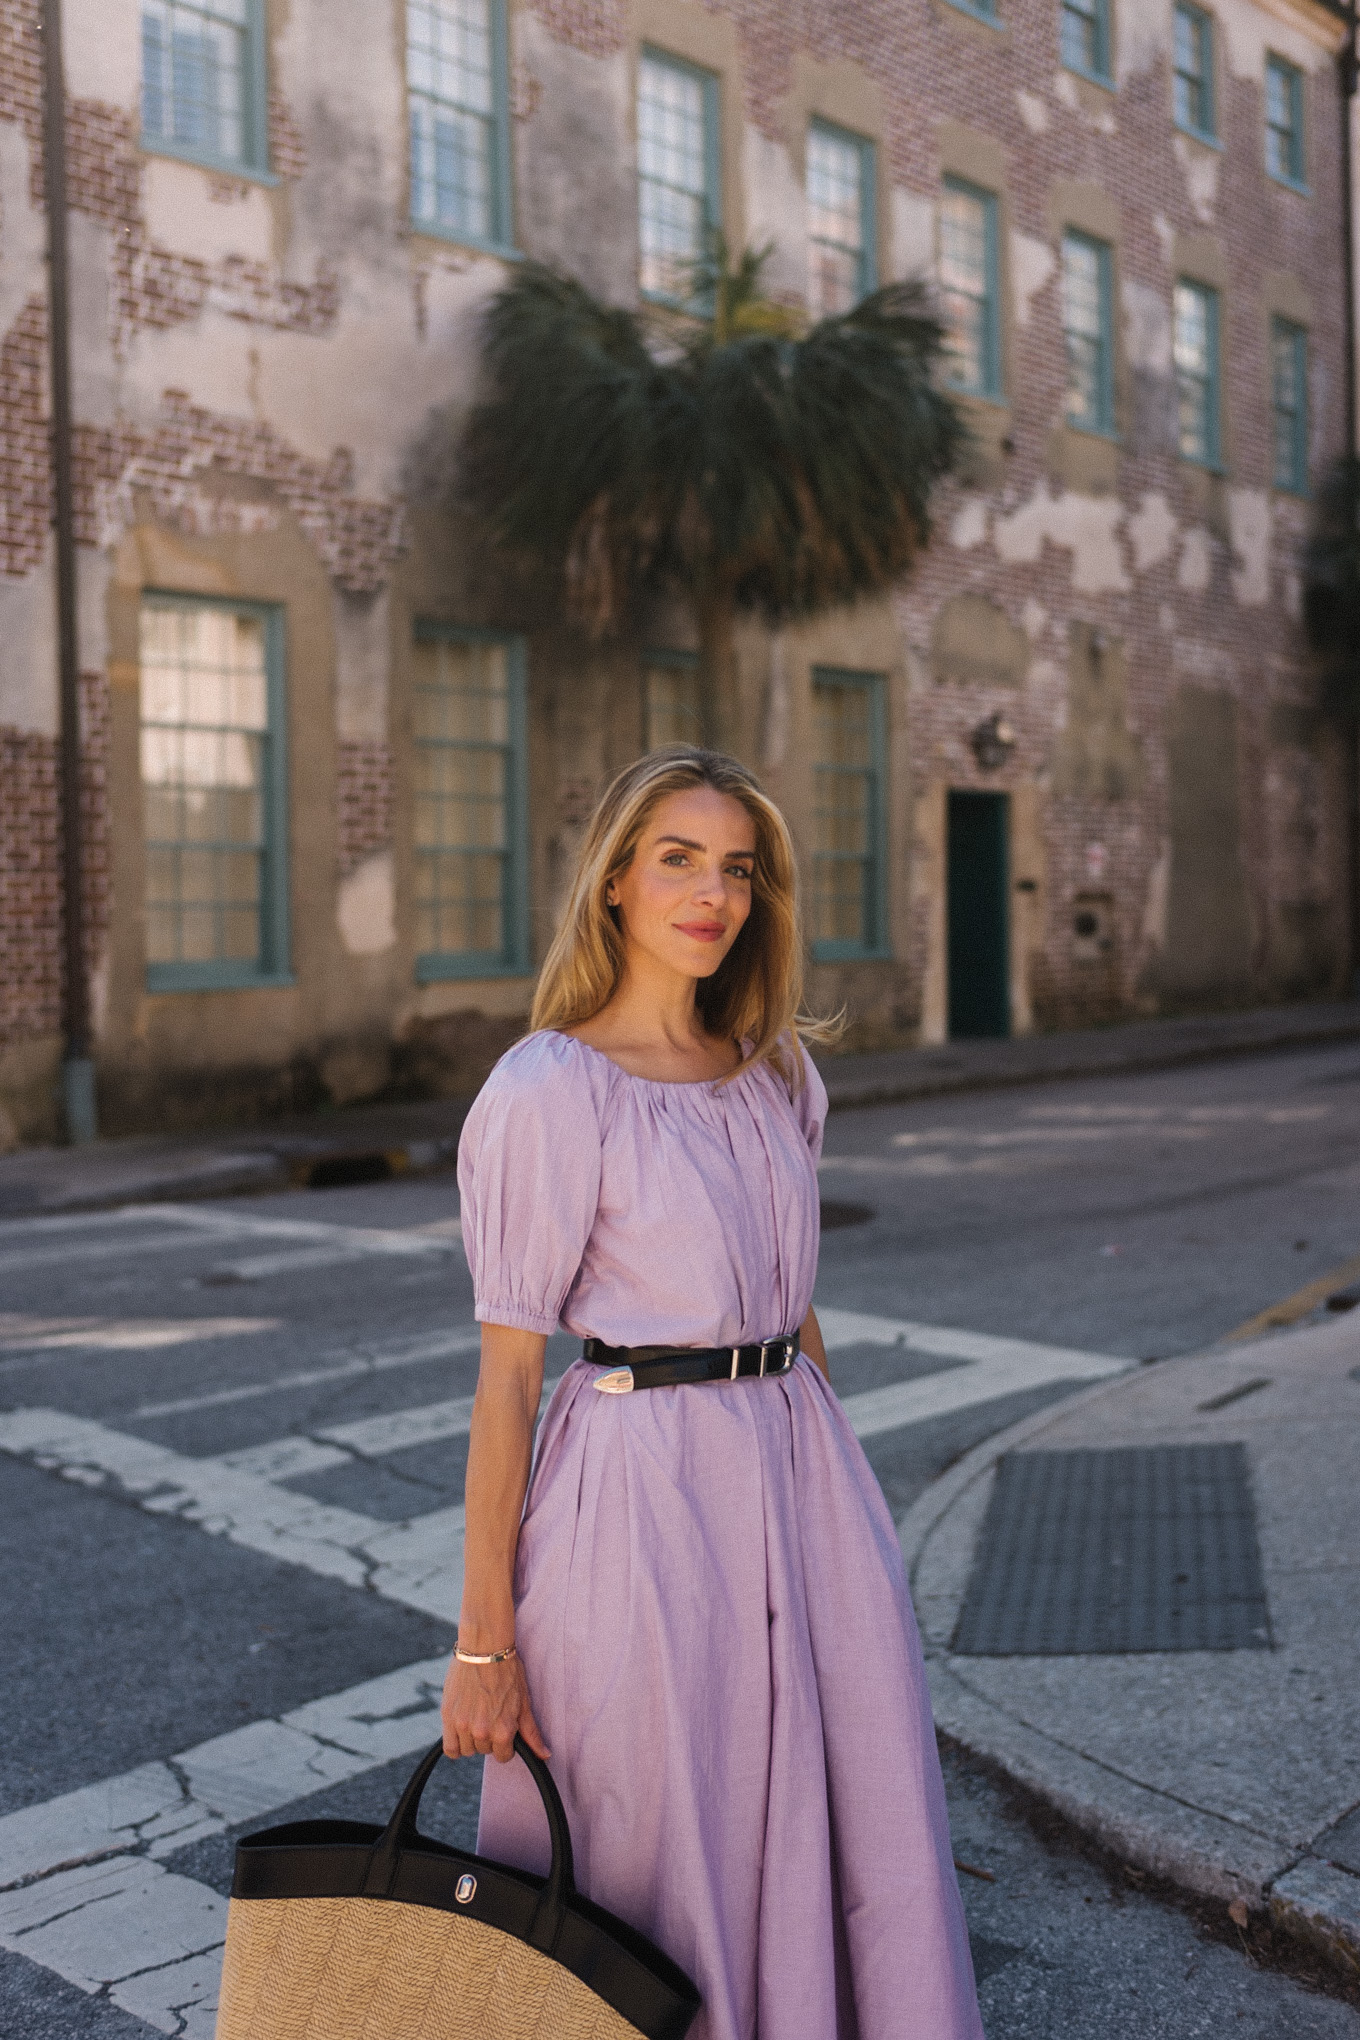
(430, 230)
(1106, 434)
(220, 166)
(1206, 141)
(1203, 467)
(996, 398)
(434, 970)
(1101, 78)
(1293, 184)
(214, 977)
(1297, 492)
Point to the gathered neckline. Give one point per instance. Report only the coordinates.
(657, 1083)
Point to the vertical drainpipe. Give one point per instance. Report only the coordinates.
(1347, 68)
(77, 1070)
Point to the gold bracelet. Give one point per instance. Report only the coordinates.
(491, 1657)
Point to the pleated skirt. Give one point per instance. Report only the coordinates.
(713, 1616)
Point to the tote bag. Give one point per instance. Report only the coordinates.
(338, 1930)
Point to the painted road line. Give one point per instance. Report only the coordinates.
(367, 1438)
(1300, 1305)
(363, 1239)
(877, 1410)
(419, 1565)
(853, 1328)
(161, 1807)
(70, 1251)
(96, 1906)
(51, 1338)
(130, 1929)
(416, 1352)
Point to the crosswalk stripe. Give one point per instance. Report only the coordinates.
(418, 1563)
(410, 1353)
(366, 1438)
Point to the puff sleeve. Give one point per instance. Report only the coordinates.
(529, 1182)
(809, 1107)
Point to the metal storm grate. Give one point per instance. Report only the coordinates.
(1095, 1553)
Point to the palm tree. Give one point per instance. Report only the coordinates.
(755, 466)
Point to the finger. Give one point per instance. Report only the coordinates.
(484, 1745)
(503, 1748)
(466, 1745)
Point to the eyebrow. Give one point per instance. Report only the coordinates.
(684, 843)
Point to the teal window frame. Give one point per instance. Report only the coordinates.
(1086, 18)
(992, 385)
(867, 278)
(1290, 475)
(662, 658)
(1212, 457)
(512, 959)
(1290, 77)
(981, 10)
(253, 162)
(875, 947)
(711, 85)
(273, 967)
(1104, 426)
(501, 241)
(1202, 121)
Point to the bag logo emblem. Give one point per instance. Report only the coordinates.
(465, 1890)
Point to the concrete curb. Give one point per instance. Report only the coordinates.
(1199, 1852)
(1054, 1058)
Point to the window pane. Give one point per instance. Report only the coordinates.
(450, 55)
(1086, 327)
(673, 197)
(1289, 392)
(461, 813)
(204, 753)
(193, 75)
(1082, 36)
(674, 706)
(967, 286)
(836, 221)
(845, 809)
(1284, 128)
(1197, 371)
(1193, 81)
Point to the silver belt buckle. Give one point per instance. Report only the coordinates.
(619, 1381)
(785, 1346)
(736, 1361)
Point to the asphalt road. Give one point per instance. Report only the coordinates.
(232, 1444)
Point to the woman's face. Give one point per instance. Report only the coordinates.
(685, 897)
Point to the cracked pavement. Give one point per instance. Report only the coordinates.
(229, 1551)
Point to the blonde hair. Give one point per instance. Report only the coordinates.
(755, 994)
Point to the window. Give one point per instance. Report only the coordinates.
(1088, 331)
(1289, 400)
(841, 220)
(213, 794)
(674, 711)
(969, 286)
(848, 861)
(1084, 37)
(203, 81)
(677, 173)
(456, 94)
(1284, 121)
(1193, 71)
(985, 10)
(1196, 353)
(469, 804)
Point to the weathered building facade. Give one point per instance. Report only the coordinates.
(334, 776)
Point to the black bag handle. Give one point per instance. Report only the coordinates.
(401, 1832)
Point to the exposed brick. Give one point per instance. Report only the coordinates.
(25, 467)
(596, 27)
(363, 800)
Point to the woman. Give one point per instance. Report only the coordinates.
(704, 1595)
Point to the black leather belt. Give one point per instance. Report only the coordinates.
(667, 1366)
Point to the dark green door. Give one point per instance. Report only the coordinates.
(979, 935)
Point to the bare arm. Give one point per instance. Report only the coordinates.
(810, 1339)
(486, 1705)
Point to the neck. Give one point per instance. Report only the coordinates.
(657, 1003)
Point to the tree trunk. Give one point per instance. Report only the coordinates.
(716, 612)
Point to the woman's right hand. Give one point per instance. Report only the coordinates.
(485, 1707)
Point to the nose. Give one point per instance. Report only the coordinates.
(710, 888)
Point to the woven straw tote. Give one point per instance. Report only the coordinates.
(342, 1931)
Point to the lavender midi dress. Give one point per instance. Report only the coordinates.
(711, 1603)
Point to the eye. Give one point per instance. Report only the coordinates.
(675, 857)
(739, 871)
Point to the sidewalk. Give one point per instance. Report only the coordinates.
(1233, 1773)
(367, 1142)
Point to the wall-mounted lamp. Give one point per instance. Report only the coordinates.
(992, 742)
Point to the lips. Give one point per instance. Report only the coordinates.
(702, 931)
